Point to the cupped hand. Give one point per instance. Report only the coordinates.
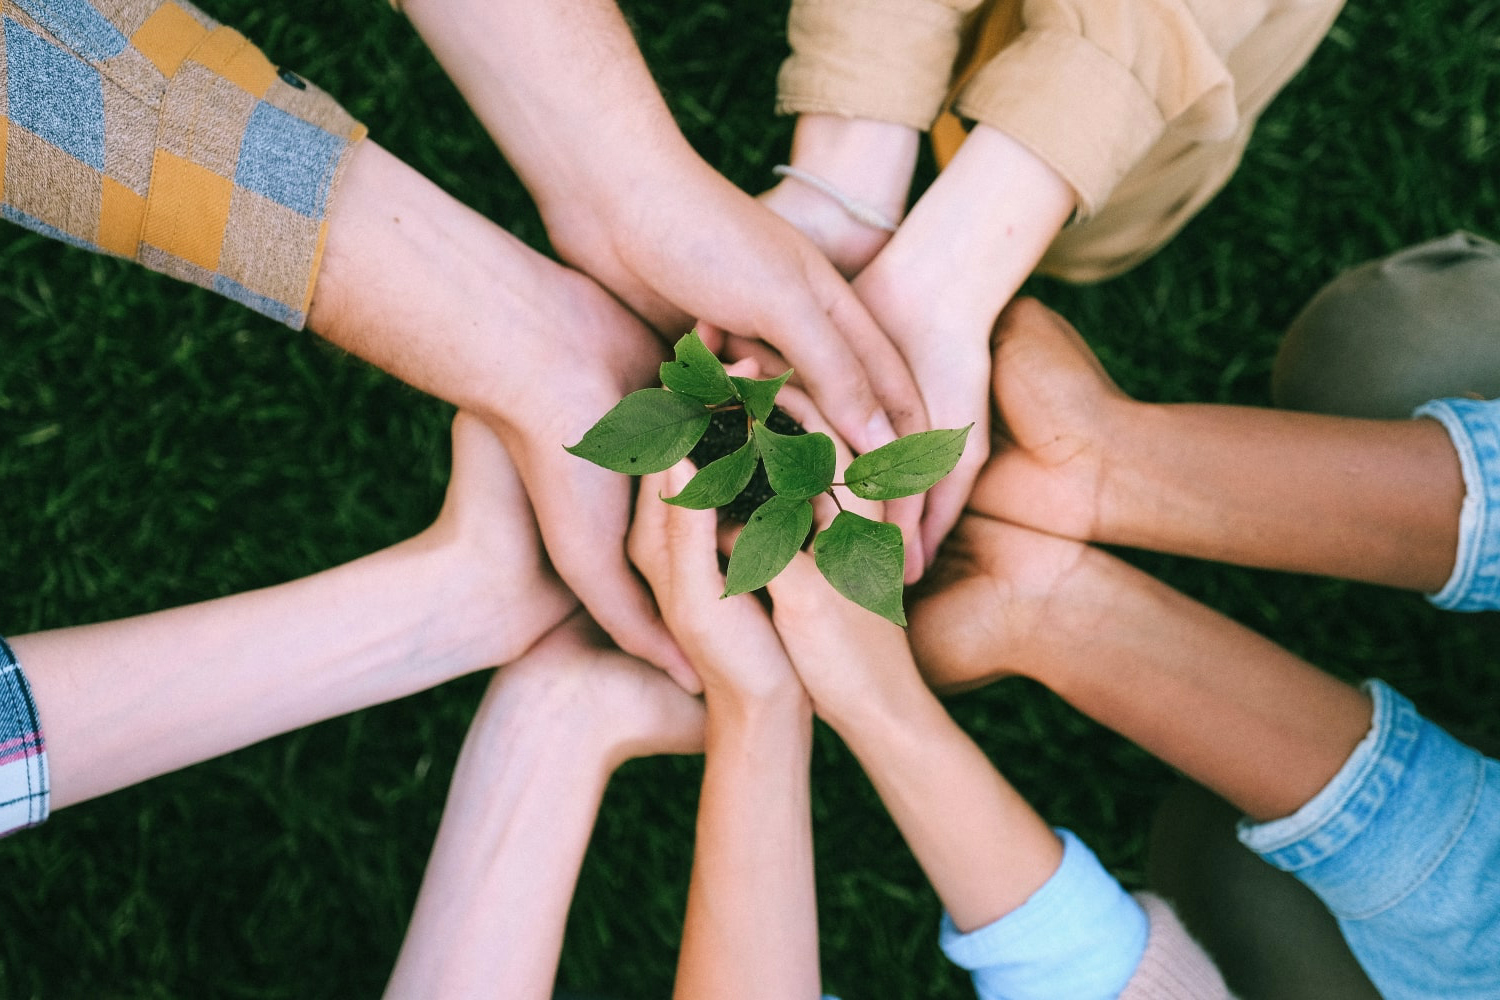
(599, 354)
(577, 682)
(729, 641)
(1057, 408)
(999, 601)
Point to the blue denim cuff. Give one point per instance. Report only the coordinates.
(1403, 846)
(25, 790)
(1079, 937)
(1474, 426)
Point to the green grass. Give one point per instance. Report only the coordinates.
(159, 445)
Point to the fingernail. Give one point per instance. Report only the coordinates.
(878, 432)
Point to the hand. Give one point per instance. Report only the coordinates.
(1056, 408)
(583, 511)
(999, 601)
(750, 273)
(501, 594)
(938, 286)
(729, 641)
(575, 683)
(951, 361)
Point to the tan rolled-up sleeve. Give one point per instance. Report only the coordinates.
(1091, 85)
(888, 60)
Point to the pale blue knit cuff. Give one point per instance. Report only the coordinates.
(1079, 937)
(1474, 426)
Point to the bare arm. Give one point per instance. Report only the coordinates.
(751, 929)
(490, 916)
(1227, 707)
(127, 700)
(1370, 500)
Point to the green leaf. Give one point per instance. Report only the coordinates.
(696, 372)
(864, 560)
(758, 395)
(798, 466)
(907, 465)
(718, 482)
(647, 431)
(771, 538)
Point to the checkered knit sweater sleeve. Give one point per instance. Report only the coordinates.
(1174, 966)
(146, 130)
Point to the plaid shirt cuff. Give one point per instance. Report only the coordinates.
(25, 791)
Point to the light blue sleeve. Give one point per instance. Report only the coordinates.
(1079, 937)
(1403, 846)
(1474, 426)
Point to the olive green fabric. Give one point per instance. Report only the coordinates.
(1388, 335)
(1270, 936)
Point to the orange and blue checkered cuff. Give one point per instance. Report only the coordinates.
(146, 130)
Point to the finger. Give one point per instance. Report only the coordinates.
(853, 372)
(622, 605)
(767, 360)
(947, 499)
(712, 335)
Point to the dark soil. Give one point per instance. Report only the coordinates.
(726, 433)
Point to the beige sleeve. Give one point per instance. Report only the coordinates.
(889, 60)
(1091, 85)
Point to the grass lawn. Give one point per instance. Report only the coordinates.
(159, 445)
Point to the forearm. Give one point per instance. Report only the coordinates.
(563, 90)
(751, 925)
(978, 231)
(490, 918)
(982, 846)
(127, 700)
(431, 291)
(1376, 501)
(1231, 709)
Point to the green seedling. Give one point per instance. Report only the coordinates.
(653, 429)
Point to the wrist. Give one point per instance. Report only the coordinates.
(993, 211)
(868, 161)
(771, 716)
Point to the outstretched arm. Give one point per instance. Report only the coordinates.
(550, 731)
(1369, 500)
(984, 849)
(127, 700)
(1231, 709)
(431, 291)
(751, 929)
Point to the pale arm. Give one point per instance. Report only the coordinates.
(490, 917)
(981, 845)
(127, 700)
(751, 929)
(566, 94)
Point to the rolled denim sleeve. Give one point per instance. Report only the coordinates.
(1403, 846)
(1474, 426)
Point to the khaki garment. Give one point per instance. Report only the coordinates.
(1144, 106)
